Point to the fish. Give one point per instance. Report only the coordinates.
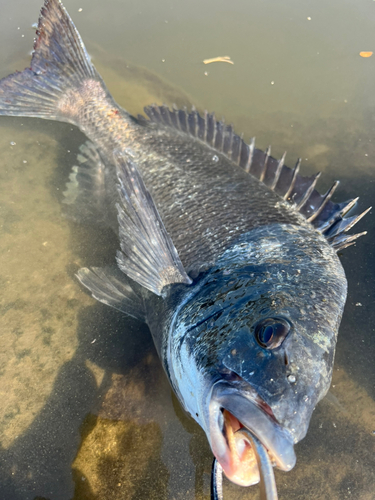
(227, 254)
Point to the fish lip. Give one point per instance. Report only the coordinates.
(244, 406)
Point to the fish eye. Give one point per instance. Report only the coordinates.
(270, 332)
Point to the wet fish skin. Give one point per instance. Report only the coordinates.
(251, 255)
(206, 332)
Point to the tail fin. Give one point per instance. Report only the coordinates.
(60, 63)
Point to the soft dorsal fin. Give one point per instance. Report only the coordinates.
(326, 216)
(148, 255)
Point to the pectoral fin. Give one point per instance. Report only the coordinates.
(148, 254)
(111, 287)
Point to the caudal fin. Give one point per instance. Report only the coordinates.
(59, 66)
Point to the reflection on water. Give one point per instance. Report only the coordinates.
(86, 412)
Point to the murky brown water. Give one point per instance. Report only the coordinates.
(86, 412)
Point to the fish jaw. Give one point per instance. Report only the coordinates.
(230, 409)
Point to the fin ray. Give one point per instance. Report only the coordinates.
(85, 196)
(111, 287)
(59, 62)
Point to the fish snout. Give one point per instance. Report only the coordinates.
(229, 411)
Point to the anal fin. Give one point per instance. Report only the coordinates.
(111, 287)
(148, 255)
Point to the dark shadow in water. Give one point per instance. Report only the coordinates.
(40, 460)
(356, 342)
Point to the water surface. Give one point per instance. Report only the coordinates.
(86, 412)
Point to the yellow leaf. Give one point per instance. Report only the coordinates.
(365, 54)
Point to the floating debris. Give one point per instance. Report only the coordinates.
(218, 59)
(365, 54)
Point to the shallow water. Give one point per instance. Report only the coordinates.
(86, 412)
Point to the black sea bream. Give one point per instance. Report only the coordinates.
(226, 253)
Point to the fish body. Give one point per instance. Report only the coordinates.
(226, 253)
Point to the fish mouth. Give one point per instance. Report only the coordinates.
(232, 408)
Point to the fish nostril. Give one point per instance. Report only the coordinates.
(229, 375)
(286, 359)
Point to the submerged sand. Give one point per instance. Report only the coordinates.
(86, 411)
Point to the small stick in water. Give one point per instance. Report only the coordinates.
(218, 59)
(216, 481)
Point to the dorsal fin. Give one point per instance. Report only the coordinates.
(325, 215)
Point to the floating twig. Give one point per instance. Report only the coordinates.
(218, 59)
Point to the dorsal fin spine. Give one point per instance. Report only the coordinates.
(338, 215)
(251, 155)
(236, 149)
(344, 241)
(167, 116)
(159, 115)
(267, 154)
(214, 129)
(205, 126)
(351, 204)
(228, 140)
(193, 122)
(243, 155)
(175, 119)
(357, 219)
(294, 177)
(344, 225)
(278, 171)
(326, 199)
(308, 192)
(220, 135)
(183, 120)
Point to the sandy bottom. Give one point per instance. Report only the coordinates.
(86, 412)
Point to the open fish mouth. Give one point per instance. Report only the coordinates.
(231, 409)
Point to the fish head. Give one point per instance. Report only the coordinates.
(262, 337)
